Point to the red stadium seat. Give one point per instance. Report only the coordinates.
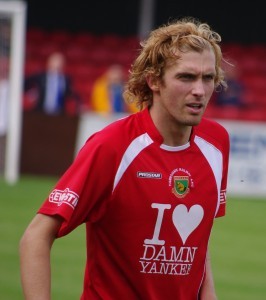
(33, 66)
(76, 54)
(36, 35)
(111, 42)
(84, 88)
(60, 37)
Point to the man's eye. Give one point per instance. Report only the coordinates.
(209, 77)
(187, 77)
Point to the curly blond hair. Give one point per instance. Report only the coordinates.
(162, 47)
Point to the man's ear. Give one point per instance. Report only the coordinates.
(153, 83)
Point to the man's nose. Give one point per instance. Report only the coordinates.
(198, 88)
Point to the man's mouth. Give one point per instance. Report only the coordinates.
(195, 107)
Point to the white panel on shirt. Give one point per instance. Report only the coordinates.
(136, 146)
(215, 160)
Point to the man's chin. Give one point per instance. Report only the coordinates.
(194, 121)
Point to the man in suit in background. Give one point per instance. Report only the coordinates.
(50, 90)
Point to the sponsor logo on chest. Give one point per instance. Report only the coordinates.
(151, 175)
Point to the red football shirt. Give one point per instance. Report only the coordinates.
(149, 208)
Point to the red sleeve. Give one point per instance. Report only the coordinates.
(83, 191)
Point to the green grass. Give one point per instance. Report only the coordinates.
(19, 203)
(238, 246)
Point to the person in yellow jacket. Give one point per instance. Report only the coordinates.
(107, 92)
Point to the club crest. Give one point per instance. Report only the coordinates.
(180, 186)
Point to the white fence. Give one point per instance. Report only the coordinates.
(247, 167)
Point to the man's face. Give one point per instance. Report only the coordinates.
(186, 87)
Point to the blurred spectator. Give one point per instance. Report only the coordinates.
(107, 92)
(50, 91)
(233, 95)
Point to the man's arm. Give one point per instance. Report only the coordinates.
(207, 291)
(35, 248)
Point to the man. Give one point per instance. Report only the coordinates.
(107, 92)
(148, 186)
(50, 91)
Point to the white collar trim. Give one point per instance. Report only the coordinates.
(175, 148)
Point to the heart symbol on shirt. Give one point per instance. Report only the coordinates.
(186, 221)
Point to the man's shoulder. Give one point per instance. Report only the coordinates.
(126, 123)
(118, 133)
(211, 130)
(210, 125)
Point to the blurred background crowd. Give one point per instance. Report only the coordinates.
(92, 38)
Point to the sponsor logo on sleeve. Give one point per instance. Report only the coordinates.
(66, 196)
